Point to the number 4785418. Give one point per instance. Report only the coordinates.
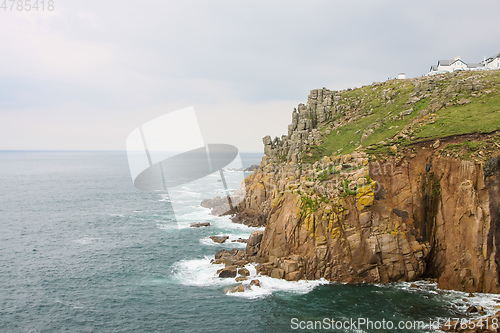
(27, 5)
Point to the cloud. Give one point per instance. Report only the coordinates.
(105, 67)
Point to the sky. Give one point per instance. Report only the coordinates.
(86, 74)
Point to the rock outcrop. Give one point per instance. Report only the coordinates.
(409, 218)
(422, 209)
(327, 112)
(219, 239)
(200, 224)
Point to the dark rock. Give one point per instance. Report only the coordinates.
(219, 239)
(228, 272)
(200, 224)
(234, 257)
(471, 309)
(277, 273)
(240, 263)
(216, 261)
(255, 283)
(222, 254)
(240, 278)
(243, 272)
(252, 168)
(240, 240)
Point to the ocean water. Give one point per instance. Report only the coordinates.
(82, 250)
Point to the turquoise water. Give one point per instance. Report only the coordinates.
(81, 250)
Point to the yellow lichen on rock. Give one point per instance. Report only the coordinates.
(365, 195)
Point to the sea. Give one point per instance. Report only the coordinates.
(83, 250)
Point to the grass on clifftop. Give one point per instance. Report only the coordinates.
(481, 116)
(463, 112)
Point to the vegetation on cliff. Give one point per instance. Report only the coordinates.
(374, 118)
(384, 183)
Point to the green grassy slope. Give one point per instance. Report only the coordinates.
(444, 105)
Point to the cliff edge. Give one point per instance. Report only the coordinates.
(396, 181)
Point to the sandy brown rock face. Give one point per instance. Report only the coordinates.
(418, 215)
(253, 243)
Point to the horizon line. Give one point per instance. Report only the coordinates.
(88, 150)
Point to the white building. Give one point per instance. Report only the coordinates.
(493, 62)
(445, 66)
(401, 76)
(457, 64)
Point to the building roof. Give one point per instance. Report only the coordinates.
(479, 66)
(449, 62)
(445, 62)
(490, 59)
(475, 65)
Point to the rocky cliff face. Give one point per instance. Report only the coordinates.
(322, 105)
(422, 209)
(354, 220)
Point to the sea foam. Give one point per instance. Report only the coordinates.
(200, 272)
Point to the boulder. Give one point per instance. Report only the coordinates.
(243, 272)
(290, 266)
(217, 261)
(255, 283)
(223, 253)
(253, 243)
(294, 276)
(228, 272)
(277, 273)
(472, 309)
(235, 289)
(219, 239)
(239, 240)
(234, 257)
(199, 224)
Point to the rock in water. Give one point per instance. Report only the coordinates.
(471, 309)
(240, 240)
(199, 225)
(238, 289)
(255, 283)
(243, 272)
(228, 272)
(219, 239)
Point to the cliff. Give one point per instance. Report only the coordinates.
(395, 181)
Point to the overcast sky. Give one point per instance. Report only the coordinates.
(86, 74)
